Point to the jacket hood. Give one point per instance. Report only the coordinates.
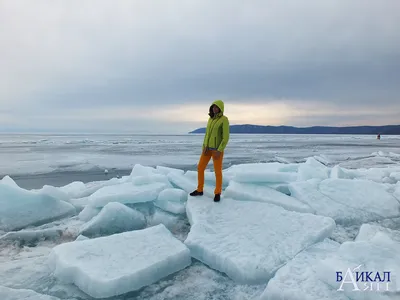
(220, 105)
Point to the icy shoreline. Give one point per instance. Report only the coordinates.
(273, 218)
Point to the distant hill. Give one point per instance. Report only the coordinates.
(258, 129)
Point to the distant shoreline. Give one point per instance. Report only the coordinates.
(355, 130)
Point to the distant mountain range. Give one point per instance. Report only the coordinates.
(258, 129)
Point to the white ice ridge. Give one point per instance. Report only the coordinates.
(249, 241)
(20, 208)
(259, 193)
(22, 294)
(120, 263)
(298, 279)
(113, 218)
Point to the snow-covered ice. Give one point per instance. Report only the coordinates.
(250, 241)
(113, 218)
(22, 294)
(120, 263)
(298, 279)
(20, 208)
(126, 193)
(254, 192)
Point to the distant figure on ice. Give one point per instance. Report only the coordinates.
(378, 137)
(215, 141)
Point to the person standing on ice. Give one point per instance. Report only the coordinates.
(215, 141)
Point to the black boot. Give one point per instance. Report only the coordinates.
(217, 197)
(196, 193)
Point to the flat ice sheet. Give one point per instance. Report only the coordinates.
(259, 193)
(126, 193)
(298, 279)
(362, 195)
(120, 263)
(249, 241)
(308, 192)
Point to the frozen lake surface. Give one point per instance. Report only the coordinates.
(295, 210)
(85, 157)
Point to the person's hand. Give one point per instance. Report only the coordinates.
(217, 154)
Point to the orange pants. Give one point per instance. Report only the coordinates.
(203, 162)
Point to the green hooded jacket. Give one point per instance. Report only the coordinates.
(217, 131)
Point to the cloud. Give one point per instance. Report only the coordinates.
(75, 59)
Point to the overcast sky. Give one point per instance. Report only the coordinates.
(156, 66)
